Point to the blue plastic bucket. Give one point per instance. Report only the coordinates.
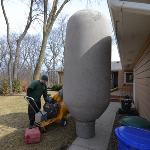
(132, 138)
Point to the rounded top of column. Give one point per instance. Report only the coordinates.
(95, 16)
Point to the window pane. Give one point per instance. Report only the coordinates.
(129, 77)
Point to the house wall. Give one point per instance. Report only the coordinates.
(142, 81)
(115, 79)
(121, 78)
(61, 77)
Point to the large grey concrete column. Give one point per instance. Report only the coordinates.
(87, 69)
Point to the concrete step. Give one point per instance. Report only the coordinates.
(114, 99)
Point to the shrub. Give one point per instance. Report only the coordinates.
(24, 85)
(5, 88)
(16, 86)
(57, 87)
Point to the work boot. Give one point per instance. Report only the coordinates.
(32, 126)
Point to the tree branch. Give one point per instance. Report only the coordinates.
(51, 14)
(57, 13)
(61, 7)
(28, 22)
(45, 15)
(7, 23)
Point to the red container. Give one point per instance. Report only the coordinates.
(32, 135)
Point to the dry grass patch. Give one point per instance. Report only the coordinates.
(14, 120)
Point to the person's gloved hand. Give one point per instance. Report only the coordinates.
(49, 100)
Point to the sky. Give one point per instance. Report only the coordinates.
(17, 16)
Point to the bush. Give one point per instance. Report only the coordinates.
(24, 85)
(5, 88)
(57, 87)
(16, 86)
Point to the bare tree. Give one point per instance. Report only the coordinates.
(29, 21)
(62, 21)
(49, 19)
(20, 38)
(50, 13)
(28, 55)
(29, 52)
(52, 52)
(10, 47)
(4, 51)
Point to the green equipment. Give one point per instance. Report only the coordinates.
(126, 105)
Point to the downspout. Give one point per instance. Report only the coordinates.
(58, 77)
(134, 85)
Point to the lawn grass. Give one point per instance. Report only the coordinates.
(14, 121)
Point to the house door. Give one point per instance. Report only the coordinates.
(114, 80)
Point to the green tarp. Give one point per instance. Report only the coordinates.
(135, 121)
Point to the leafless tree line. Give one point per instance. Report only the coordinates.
(29, 53)
(43, 11)
(21, 57)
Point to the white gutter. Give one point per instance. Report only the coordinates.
(133, 7)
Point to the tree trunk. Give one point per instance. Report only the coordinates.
(47, 26)
(54, 70)
(10, 47)
(16, 60)
(29, 21)
(40, 59)
(48, 84)
(10, 74)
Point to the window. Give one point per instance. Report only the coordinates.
(128, 77)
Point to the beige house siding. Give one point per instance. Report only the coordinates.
(142, 81)
(121, 78)
(61, 77)
(127, 89)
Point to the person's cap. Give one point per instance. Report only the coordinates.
(44, 77)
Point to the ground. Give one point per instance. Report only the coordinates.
(14, 120)
(113, 142)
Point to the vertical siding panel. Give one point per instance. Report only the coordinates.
(61, 77)
(142, 81)
(143, 103)
(121, 78)
(142, 53)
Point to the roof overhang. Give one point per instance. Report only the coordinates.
(131, 24)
